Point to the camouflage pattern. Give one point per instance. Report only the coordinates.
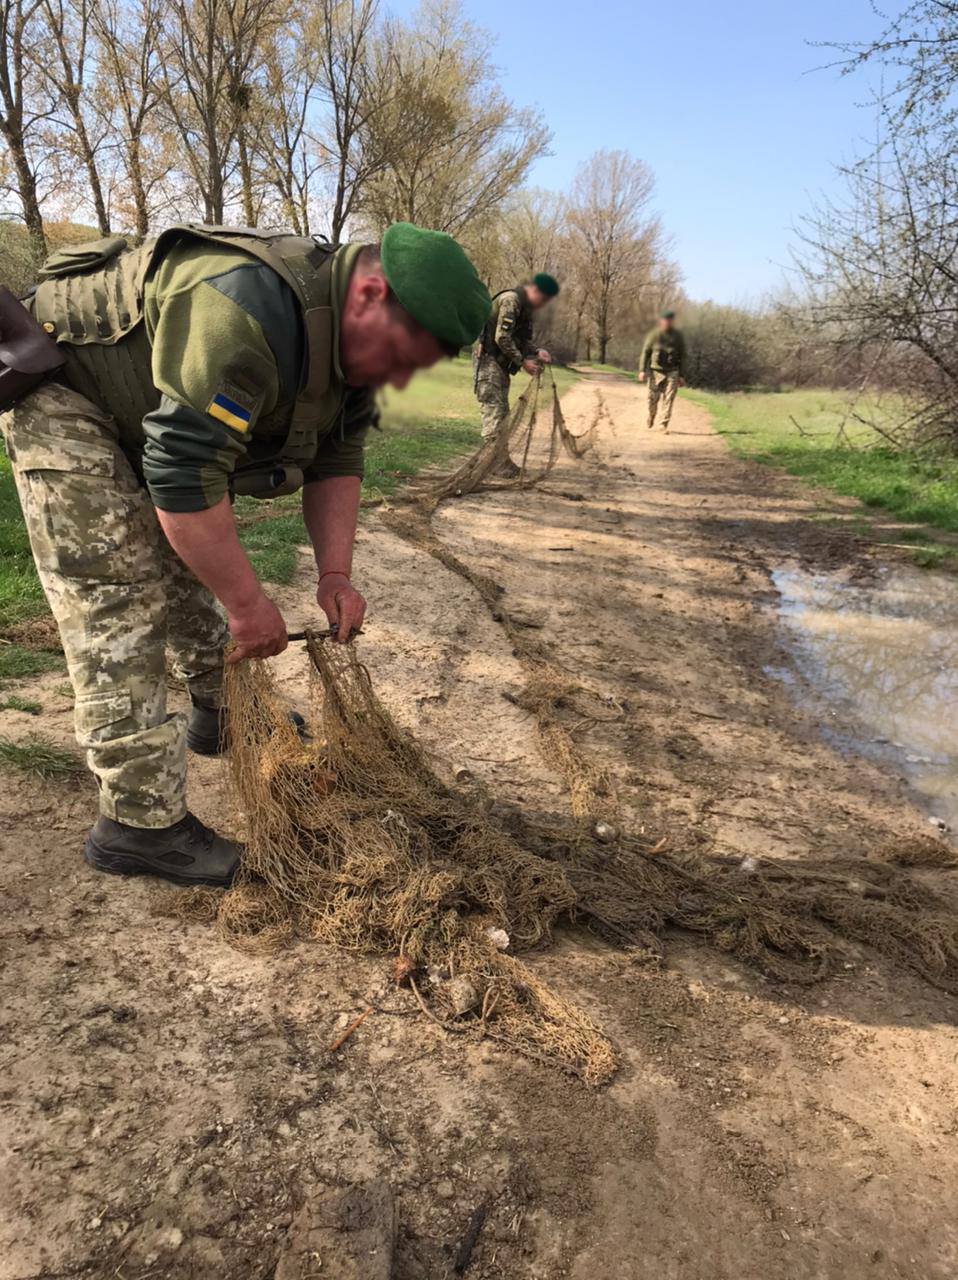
(492, 392)
(662, 387)
(664, 352)
(120, 597)
(509, 330)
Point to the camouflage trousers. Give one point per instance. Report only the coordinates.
(120, 597)
(492, 392)
(662, 387)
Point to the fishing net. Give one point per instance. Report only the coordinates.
(355, 841)
(530, 441)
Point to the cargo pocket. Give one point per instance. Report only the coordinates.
(101, 717)
(87, 515)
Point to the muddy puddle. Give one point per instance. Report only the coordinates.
(879, 660)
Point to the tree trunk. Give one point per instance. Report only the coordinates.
(27, 190)
(246, 178)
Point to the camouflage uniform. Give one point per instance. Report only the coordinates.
(506, 341)
(663, 361)
(136, 425)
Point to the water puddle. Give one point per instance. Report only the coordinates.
(882, 656)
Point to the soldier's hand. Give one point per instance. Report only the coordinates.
(258, 632)
(343, 605)
(642, 377)
(531, 366)
(545, 357)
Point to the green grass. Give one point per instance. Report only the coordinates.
(914, 487)
(20, 593)
(39, 756)
(15, 703)
(16, 662)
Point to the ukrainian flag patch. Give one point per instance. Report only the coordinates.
(231, 407)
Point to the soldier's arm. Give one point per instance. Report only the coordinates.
(216, 374)
(505, 330)
(331, 493)
(645, 359)
(214, 368)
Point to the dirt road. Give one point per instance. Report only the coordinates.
(167, 1105)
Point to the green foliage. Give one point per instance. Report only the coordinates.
(727, 346)
(20, 593)
(914, 486)
(39, 756)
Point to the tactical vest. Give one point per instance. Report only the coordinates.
(90, 299)
(522, 331)
(664, 356)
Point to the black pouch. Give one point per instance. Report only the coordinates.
(27, 354)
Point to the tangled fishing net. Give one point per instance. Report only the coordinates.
(355, 841)
(532, 439)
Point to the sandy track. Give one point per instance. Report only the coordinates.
(167, 1104)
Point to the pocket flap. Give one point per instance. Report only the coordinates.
(75, 258)
(61, 452)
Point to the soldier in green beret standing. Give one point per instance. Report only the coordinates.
(662, 362)
(506, 347)
(206, 363)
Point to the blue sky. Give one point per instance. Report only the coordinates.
(721, 99)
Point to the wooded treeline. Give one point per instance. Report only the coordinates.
(322, 116)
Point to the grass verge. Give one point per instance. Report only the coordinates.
(40, 757)
(914, 487)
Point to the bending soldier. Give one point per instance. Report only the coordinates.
(505, 348)
(662, 362)
(203, 364)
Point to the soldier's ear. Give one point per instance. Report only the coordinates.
(369, 290)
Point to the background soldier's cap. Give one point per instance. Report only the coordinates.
(435, 282)
(668, 315)
(546, 284)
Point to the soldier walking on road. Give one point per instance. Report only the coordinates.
(662, 363)
(151, 386)
(506, 347)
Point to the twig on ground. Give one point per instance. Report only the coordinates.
(341, 1040)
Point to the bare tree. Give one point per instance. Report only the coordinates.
(129, 92)
(213, 51)
(880, 270)
(18, 113)
(612, 238)
(357, 93)
(63, 58)
(455, 146)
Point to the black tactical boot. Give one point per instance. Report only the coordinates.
(186, 853)
(208, 733)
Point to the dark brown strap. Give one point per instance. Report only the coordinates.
(24, 347)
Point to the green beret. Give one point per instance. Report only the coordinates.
(667, 315)
(435, 282)
(546, 284)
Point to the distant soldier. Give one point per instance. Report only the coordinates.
(663, 363)
(506, 346)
